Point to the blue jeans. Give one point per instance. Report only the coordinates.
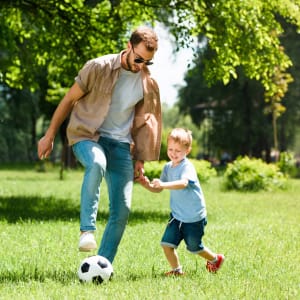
(110, 159)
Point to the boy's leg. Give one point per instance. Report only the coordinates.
(207, 254)
(193, 233)
(172, 256)
(170, 241)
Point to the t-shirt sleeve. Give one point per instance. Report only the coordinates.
(163, 176)
(189, 173)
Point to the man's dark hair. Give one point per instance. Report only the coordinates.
(146, 35)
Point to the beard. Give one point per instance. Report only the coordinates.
(129, 65)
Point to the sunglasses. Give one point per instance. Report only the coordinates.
(140, 60)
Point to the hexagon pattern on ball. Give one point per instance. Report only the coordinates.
(96, 269)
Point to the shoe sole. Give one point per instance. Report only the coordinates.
(87, 248)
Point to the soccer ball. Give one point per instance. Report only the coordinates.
(95, 269)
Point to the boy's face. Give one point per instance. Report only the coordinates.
(176, 152)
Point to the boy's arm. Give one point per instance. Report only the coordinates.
(170, 185)
(157, 185)
(148, 185)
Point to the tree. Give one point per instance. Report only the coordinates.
(60, 35)
(290, 120)
(231, 117)
(46, 43)
(244, 34)
(240, 33)
(239, 122)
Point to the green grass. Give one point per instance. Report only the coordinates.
(39, 228)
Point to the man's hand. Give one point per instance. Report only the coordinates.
(145, 182)
(139, 170)
(45, 147)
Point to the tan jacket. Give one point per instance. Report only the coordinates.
(97, 79)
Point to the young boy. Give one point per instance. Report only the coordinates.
(188, 211)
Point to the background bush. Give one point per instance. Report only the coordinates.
(252, 174)
(287, 164)
(204, 169)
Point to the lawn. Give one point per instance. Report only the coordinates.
(39, 229)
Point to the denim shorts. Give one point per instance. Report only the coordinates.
(191, 233)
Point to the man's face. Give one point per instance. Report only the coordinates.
(138, 56)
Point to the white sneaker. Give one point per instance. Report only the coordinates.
(87, 242)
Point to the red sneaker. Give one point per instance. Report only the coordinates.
(174, 273)
(214, 267)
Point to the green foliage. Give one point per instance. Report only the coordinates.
(64, 34)
(287, 164)
(3, 149)
(61, 36)
(246, 174)
(238, 108)
(231, 117)
(153, 169)
(240, 34)
(17, 125)
(203, 168)
(53, 39)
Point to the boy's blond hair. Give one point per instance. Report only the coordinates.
(181, 136)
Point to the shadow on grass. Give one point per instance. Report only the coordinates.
(64, 277)
(16, 208)
(37, 275)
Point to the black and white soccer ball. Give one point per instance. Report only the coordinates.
(95, 269)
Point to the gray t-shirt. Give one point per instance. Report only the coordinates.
(188, 204)
(127, 92)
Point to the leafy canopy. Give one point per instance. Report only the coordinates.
(63, 34)
(243, 34)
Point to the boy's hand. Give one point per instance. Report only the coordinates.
(156, 183)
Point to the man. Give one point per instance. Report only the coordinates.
(115, 117)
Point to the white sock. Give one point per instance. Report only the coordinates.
(178, 269)
(215, 259)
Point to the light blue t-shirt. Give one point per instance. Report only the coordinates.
(127, 92)
(188, 204)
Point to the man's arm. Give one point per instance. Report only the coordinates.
(45, 144)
